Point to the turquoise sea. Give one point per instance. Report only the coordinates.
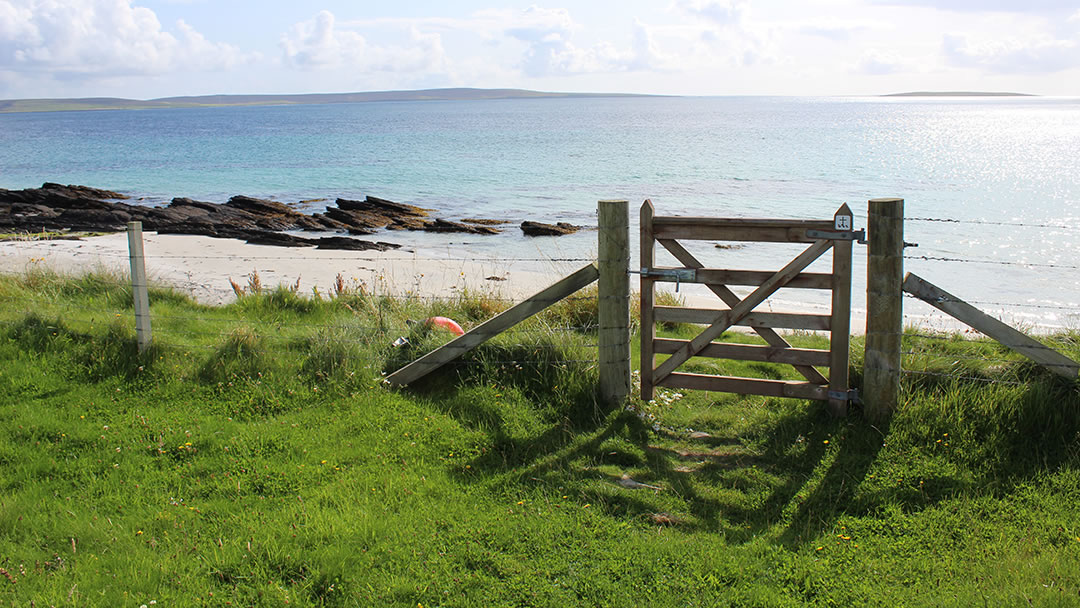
(994, 182)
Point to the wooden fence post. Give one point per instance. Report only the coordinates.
(614, 300)
(884, 307)
(139, 287)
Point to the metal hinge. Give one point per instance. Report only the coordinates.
(851, 395)
(859, 236)
(679, 274)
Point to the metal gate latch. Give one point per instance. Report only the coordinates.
(859, 236)
(679, 274)
(851, 395)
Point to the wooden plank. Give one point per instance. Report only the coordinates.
(840, 337)
(647, 288)
(746, 386)
(753, 278)
(674, 314)
(749, 352)
(678, 221)
(966, 313)
(493, 327)
(764, 234)
(731, 299)
(743, 308)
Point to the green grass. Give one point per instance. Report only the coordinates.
(254, 456)
(47, 235)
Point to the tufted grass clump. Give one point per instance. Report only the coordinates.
(240, 355)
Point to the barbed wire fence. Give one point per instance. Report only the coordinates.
(922, 352)
(379, 306)
(372, 321)
(929, 349)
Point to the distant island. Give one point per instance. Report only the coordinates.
(959, 94)
(112, 103)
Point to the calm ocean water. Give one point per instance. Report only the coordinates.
(986, 163)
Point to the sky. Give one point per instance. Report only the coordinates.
(144, 49)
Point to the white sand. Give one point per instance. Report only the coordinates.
(203, 266)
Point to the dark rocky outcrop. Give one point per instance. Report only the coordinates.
(280, 239)
(56, 207)
(374, 213)
(540, 229)
(59, 196)
(440, 225)
(344, 242)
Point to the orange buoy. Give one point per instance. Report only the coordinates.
(445, 323)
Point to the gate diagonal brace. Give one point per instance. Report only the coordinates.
(731, 299)
(743, 308)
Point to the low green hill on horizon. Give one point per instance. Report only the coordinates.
(113, 103)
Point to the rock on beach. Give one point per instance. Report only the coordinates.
(55, 207)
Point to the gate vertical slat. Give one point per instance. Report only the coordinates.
(648, 285)
(840, 332)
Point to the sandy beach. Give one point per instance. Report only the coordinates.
(203, 266)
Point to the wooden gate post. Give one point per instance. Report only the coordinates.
(614, 300)
(840, 329)
(139, 285)
(884, 307)
(648, 300)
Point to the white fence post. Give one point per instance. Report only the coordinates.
(139, 286)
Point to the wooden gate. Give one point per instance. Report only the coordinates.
(821, 235)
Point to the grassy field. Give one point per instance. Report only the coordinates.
(254, 457)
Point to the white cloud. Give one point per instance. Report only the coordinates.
(550, 50)
(980, 6)
(875, 62)
(724, 34)
(720, 12)
(1040, 55)
(320, 43)
(839, 30)
(76, 39)
(646, 51)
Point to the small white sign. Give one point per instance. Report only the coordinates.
(842, 222)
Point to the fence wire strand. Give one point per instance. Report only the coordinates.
(911, 372)
(989, 223)
(930, 258)
(1075, 307)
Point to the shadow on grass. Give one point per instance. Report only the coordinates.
(789, 473)
(552, 396)
(93, 355)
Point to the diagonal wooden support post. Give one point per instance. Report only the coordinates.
(973, 317)
(493, 327)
